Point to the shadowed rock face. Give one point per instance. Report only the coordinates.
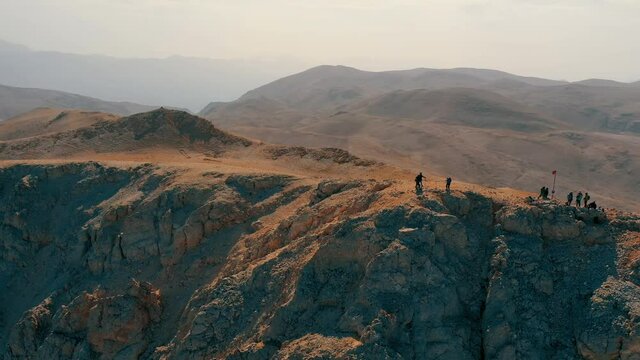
(141, 263)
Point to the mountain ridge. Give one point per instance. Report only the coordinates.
(18, 100)
(236, 257)
(516, 136)
(175, 81)
(464, 106)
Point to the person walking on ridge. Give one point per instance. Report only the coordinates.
(569, 198)
(419, 181)
(448, 187)
(586, 199)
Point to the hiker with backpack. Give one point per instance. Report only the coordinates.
(448, 186)
(419, 178)
(569, 198)
(579, 199)
(586, 199)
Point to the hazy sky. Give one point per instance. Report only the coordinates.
(560, 39)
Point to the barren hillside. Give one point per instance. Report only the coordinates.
(327, 87)
(43, 121)
(193, 243)
(590, 105)
(500, 130)
(457, 106)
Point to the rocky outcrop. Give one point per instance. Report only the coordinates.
(335, 155)
(101, 324)
(171, 129)
(146, 262)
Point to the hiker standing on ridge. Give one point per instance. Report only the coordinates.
(541, 192)
(579, 199)
(586, 199)
(570, 198)
(448, 187)
(419, 181)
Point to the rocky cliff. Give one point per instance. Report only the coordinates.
(99, 261)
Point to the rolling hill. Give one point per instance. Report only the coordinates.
(589, 105)
(100, 133)
(327, 87)
(586, 107)
(15, 101)
(44, 121)
(457, 106)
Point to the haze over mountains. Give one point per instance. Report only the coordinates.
(181, 82)
(586, 104)
(15, 101)
(244, 205)
(481, 126)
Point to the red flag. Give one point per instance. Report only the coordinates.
(554, 172)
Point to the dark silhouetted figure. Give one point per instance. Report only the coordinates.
(448, 184)
(579, 199)
(570, 198)
(586, 199)
(419, 181)
(592, 205)
(544, 193)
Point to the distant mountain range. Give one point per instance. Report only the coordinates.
(180, 82)
(326, 87)
(15, 101)
(590, 104)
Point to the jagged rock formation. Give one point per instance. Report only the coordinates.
(161, 262)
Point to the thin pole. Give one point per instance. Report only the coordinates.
(553, 191)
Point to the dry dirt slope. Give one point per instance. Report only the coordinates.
(49, 121)
(497, 152)
(285, 253)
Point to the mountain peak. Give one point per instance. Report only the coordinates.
(175, 123)
(157, 129)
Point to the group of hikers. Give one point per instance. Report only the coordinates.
(421, 177)
(544, 193)
(581, 200)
